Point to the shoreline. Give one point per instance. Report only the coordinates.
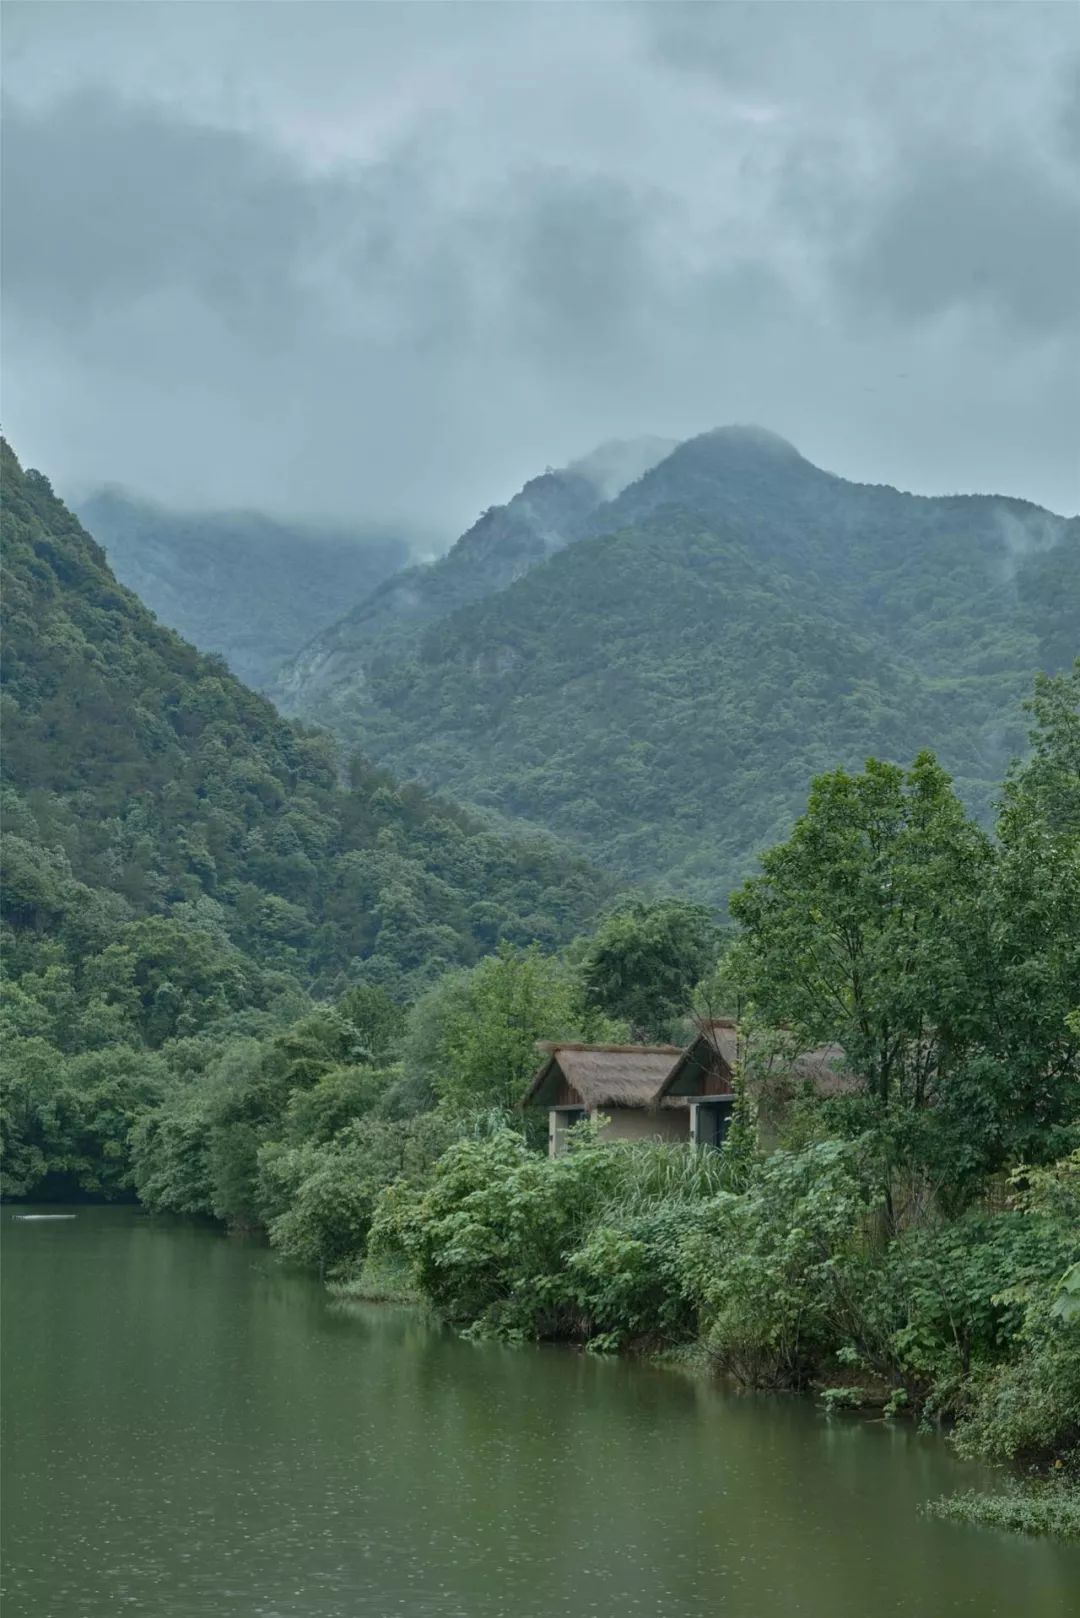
(1044, 1504)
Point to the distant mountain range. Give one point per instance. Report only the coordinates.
(654, 672)
(240, 583)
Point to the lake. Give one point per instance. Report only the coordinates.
(191, 1429)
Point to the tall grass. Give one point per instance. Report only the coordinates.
(651, 1172)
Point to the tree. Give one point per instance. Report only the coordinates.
(645, 960)
(855, 930)
(475, 1033)
(1027, 969)
(378, 1020)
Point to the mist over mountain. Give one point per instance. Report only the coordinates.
(507, 540)
(659, 683)
(240, 583)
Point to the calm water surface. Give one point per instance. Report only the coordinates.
(190, 1429)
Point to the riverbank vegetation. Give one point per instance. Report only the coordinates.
(911, 1242)
(238, 989)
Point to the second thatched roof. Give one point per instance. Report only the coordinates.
(601, 1075)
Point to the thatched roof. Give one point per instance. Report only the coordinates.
(822, 1067)
(716, 1044)
(602, 1075)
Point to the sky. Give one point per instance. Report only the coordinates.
(386, 262)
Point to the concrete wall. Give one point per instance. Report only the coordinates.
(624, 1123)
(642, 1123)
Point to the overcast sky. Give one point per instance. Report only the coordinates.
(391, 260)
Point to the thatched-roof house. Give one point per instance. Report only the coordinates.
(619, 1082)
(665, 1092)
(705, 1076)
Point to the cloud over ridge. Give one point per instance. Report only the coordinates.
(393, 260)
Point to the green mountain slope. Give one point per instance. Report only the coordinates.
(143, 782)
(239, 583)
(550, 512)
(661, 690)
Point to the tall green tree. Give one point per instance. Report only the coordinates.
(856, 928)
(476, 1032)
(645, 960)
(1026, 971)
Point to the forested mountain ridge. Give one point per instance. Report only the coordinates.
(550, 512)
(240, 583)
(913, 566)
(143, 782)
(729, 625)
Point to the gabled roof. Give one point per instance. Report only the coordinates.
(716, 1044)
(603, 1075)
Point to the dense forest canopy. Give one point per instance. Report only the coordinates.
(660, 690)
(175, 852)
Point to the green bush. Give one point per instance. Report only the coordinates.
(318, 1201)
(1027, 1406)
(767, 1267)
(486, 1239)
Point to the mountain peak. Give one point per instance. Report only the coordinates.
(745, 438)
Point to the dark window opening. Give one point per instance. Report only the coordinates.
(714, 1120)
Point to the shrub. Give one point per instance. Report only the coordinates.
(486, 1239)
(764, 1266)
(1028, 1406)
(319, 1200)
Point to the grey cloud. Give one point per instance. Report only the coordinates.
(975, 228)
(114, 202)
(394, 260)
(109, 202)
(1068, 120)
(582, 262)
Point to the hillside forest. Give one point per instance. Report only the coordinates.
(247, 981)
(662, 673)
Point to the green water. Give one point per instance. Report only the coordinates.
(189, 1429)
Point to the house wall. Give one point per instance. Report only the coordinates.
(624, 1123)
(560, 1119)
(642, 1123)
(717, 1080)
